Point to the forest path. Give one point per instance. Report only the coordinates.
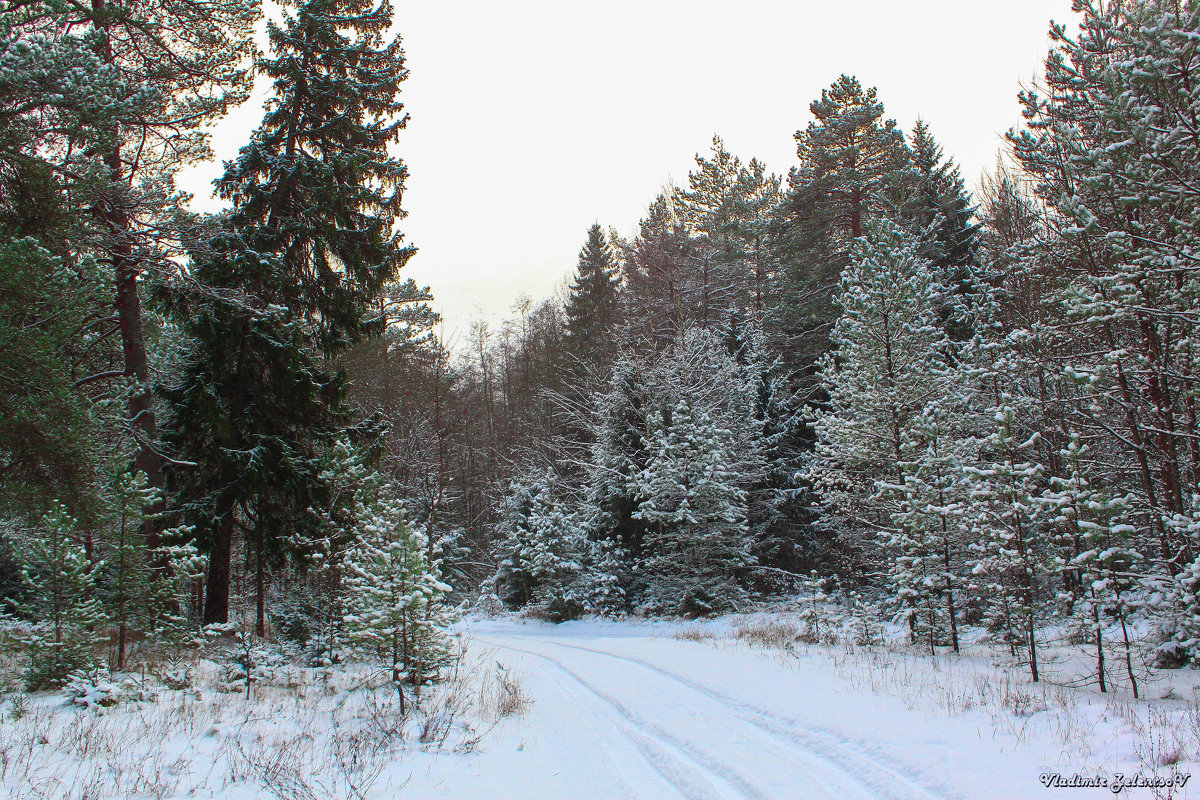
(701, 742)
(623, 710)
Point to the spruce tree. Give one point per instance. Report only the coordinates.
(941, 211)
(591, 309)
(696, 515)
(299, 271)
(619, 453)
(316, 194)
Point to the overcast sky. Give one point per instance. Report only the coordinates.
(531, 119)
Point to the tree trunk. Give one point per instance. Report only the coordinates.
(216, 592)
(260, 580)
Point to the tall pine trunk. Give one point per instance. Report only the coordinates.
(216, 592)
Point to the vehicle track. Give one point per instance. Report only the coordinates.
(843, 752)
(758, 756)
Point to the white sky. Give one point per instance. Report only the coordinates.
(531, 119)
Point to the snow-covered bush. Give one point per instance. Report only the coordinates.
(96, 688)
(547, 562)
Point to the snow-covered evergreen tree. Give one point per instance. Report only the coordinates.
(141, 585)
(1093, 540)
(619, 453)
(591, 309)
(941, 210)
(929, 546)
(395, 597)
(1012, 556)
(780, 522)
(352, 488)
(64, 598)
(1110, 147)
(696, 513)
(892, 358)
(547, 559)
(704, 451)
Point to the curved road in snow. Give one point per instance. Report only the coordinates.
(626, 711)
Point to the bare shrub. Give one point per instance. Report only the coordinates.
(693, 633)
(503, 694)
(768, 634)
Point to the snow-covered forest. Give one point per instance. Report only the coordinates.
(897, 411)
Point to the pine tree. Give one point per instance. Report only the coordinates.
(396, 597)
(134, 600)
(892, 358)
(853, 157)
(1093, 539)
(1110, 148)
(1012, 556)
(64, 598)
(854, 168)
(929, 546)
(58, 99)
(175, 65)
(727, 209)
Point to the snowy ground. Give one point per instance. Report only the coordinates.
(625, 710)
(629, 711)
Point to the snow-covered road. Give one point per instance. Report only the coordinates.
(626, 711)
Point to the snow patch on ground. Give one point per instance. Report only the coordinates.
(731, 708)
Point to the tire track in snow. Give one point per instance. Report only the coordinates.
(822, 778)
(838, 751)
(663, 752)
(625, 760)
